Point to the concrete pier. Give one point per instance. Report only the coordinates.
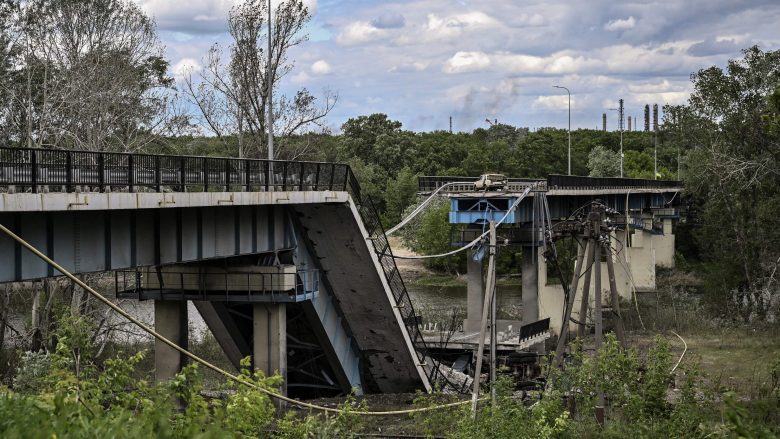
(475, 294)
(530, 292)
(270, 338)
(170, 320)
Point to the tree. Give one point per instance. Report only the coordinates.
(603, 162)
(733, 175)
(232, 98)
(92, 76)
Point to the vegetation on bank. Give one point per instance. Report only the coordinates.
(69, 393)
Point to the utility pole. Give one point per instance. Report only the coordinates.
(655, 141)
(270, 102)
(489, 296)
(620, 111)
(569, 93)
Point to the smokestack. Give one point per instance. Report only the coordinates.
(655, 117)
(450, 124)
(629, 123)
(620, 115)
(603, 121)
(647, 118)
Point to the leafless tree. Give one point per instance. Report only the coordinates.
(232, 97)
(91, 76)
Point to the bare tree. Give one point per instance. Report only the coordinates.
(92, 76)
(232, 98)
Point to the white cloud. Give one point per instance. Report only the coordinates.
(186, 66)
(320, 67)
(463, 62)
(620, 24)
(198, 16)
(358, 33)
(554, 102)
(301, 78)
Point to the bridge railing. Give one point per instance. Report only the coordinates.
(578, 182)
(54, 170)
(210, 284)
(429, 183)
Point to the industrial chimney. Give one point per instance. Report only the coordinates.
(629, 123)
(603, 121)
(655, 117)
(647, 118)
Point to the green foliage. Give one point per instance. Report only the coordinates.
(603, 162)
(32, 374)
(399, 194)
(249, 411)
(434, 236)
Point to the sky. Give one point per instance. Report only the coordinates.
(422, 61)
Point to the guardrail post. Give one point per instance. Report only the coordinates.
(227, 175)
(101, 172)
(205, 175)
(68, 171)
(157, 176)
(247, 173)
(130, 174)
(284, 176)
(300, 178)
(267, 175)
(183, 173)
(34, 170)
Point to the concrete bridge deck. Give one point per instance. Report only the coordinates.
(98, 212)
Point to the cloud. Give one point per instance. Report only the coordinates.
(186, 66)
(198, 16)
(359, 32)
(553, 102)
(714, 47)
(389, 20)
(301, 78)
(465, 62)
(320, 67)
(620, 24)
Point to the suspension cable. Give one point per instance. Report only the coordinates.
(419, 208)
(146, 328)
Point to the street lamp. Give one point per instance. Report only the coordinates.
(569, 93)
(620, 124)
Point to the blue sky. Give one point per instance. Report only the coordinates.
(421, 61)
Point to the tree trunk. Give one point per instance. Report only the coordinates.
(4, 313)
(35, 321)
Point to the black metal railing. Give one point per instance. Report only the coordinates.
(210, 284)
(54, 170)
(577, 182)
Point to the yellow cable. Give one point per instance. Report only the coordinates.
(200, 360)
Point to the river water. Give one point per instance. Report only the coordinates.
(435, 303)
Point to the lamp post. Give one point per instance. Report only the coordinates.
(569, 93)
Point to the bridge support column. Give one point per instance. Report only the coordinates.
(530, 276)
(475, 294)
(170, 320)
(270, 339)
